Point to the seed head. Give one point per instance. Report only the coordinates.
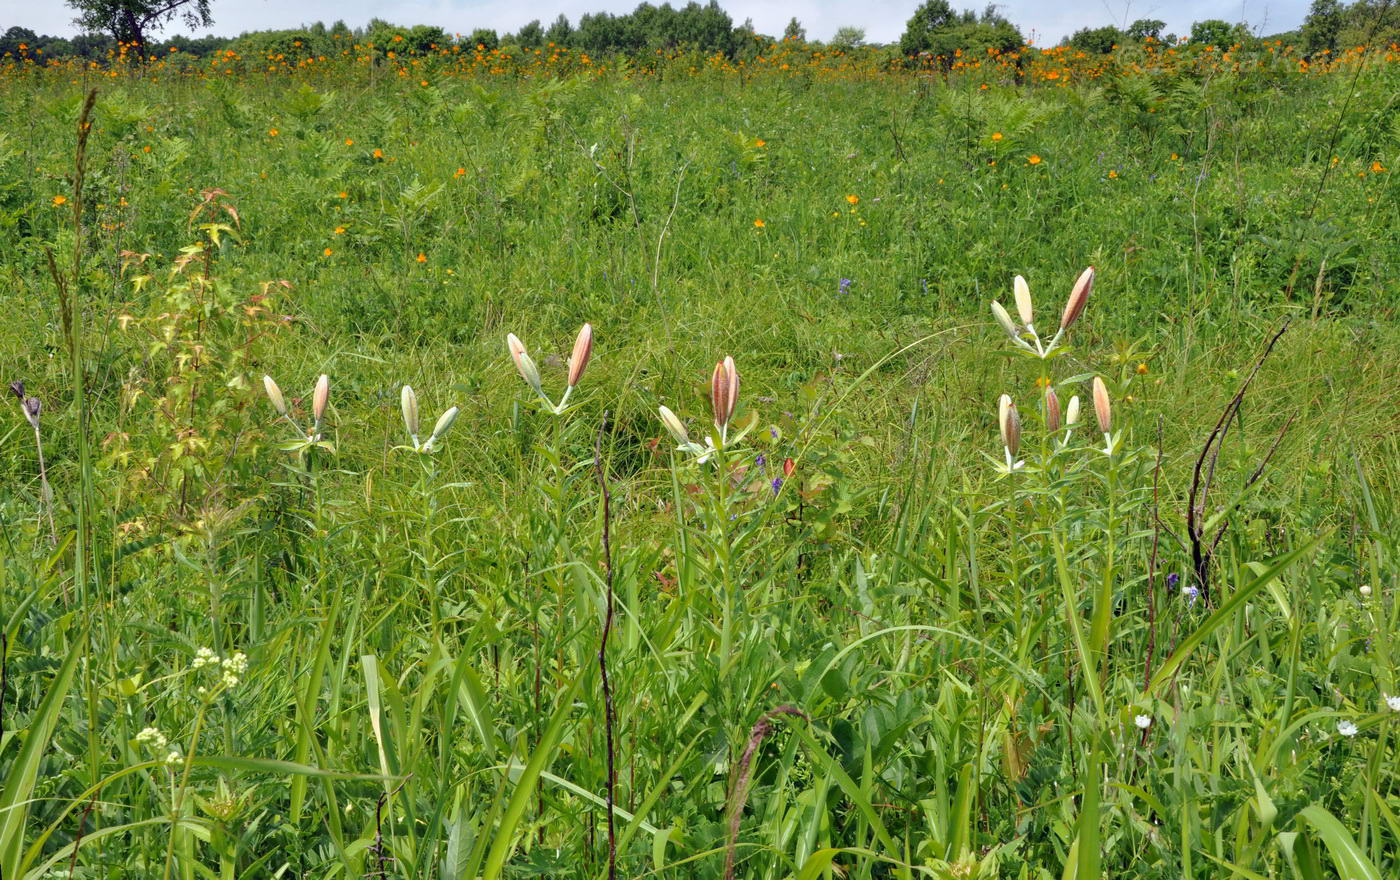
(1023, 299)
(1004, 319)
(320, 398)
(674, 426)
(1052, 410)
(32, 406)
(17, 389)
(408, 402)
(274, 394)
(528, 371)
(1103, 409)
(724, 392)
(1078, 298)
(583, 348)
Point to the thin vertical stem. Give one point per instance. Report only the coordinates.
(603, 642)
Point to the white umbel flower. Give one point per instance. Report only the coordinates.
(1143, 721)
(1346, 728)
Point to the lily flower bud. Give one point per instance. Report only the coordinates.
(528, 371)
(788, 467)
(674, 426)
(1010, 422)
(444, 422)
(1052, 410)
(583, 347)
(408, 402)
(724, 391)
(1072, 412)
(320, 398)
(1102, 406)
(1078, 298)
(274, 394)
(1023, 299)
(32, 406)
(1004, 319)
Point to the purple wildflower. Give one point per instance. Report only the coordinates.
(761, 460)
(773, 432)
(777, 484)
(844, 286)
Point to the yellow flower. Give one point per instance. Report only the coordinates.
(327, 252)
(340, 230)
(853, 199)
(996, 135)
(1112, 175)
(1377, 168)
(378, 153)
(1175, 157)
(1142, 369)
(59, 200)
(760, 143)
(1033, 160)
(272, 132)
(422, 257)
(759, 224)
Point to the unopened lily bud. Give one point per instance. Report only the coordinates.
(674, 426)
(1052, 410)
(583, 347)
(444, 422)
(1010, 421)
(1078, 297)
(17, 389)
(788, 467)
(1103, 408)
(274, 394)
(1004, 319)
(724, 391)
(320, 398)
(408, 402)
(32, 406)
(1072, 412)
(1023, 299)
(528, 371)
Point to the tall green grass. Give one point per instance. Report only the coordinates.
(960, 657)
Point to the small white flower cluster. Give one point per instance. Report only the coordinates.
(153, 739)
(1143, 721)
(230, 669)
(1393, 703)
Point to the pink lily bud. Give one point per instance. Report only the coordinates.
(583, 348)
(523, 363)
(1078, 298)
(1102, 406)
(1023, 299)
(724, 391)
(1010, 421)
(1052, 410)
(320, 398)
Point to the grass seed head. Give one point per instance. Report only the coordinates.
(1078, 298)
(583, 348)
(1103, 407)
(274, 394)
(1023, 300)
(408, 402)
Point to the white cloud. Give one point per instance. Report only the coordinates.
(883, 20)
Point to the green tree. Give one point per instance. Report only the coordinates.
(848, 37)
(795, 31)
(484, 37)
(1097, 41)
(531, 36)
(129, 21)
(939, 32)
(1145, 29)
(561, 33)
(1323, 25)
(1218, 33)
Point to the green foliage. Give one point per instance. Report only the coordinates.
(937, 32)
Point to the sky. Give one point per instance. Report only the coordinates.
(1045, 23)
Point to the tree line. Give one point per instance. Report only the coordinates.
(935, 30)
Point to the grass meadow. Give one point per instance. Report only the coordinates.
(873, 624)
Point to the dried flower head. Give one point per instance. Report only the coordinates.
(583, 348)
(1078, 298)
(32, 407)
(724, 392)
(408, 402)
(1103, 409)
(17, 389)
(274, 394)
(1022, 291)
(320, 397)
